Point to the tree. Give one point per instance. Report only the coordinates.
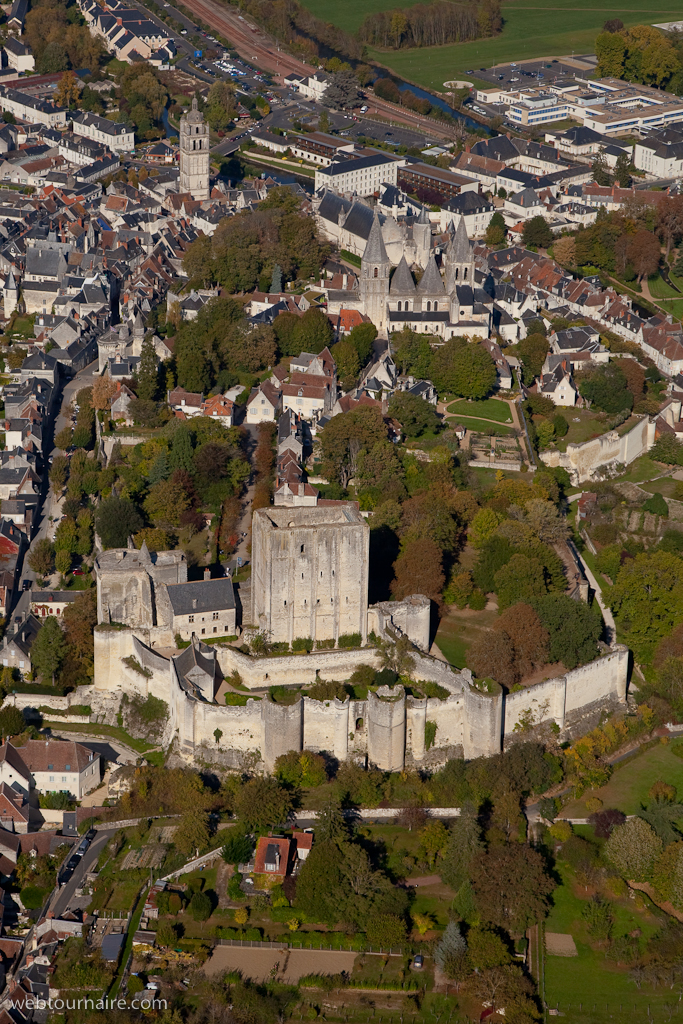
(450, 955)
(345, 356)
(200, 906)
(464, 848)
(116, 519)
(647, 598)
(103, 391)
(573, 629)
(610, 47)
(473, 372)
(605, 387)
(433, 840)
(166, 504)
(166, 935)
(238, 849)
(342, 92)
(486, 949)
(512, 887)
(536, 232)
(413, 413)
(491, 655)
(68, 90)
(192, 833)
(261, 803)
(62, 562)
(12, 722)
(532, 351)
(319, 884)
(345, 437)
(644, 253)
(564, 251)
(361, 337)
(147, 372)
(59, 472)
(657, 505)
(527, 637)
(601, 174)
(42, 557)
(419, 569)
(47, 652)
(622, 171)
(633, 849)
(521, 579)
(605, 821)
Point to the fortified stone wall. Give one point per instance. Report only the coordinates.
(582, 461)
(387, 728)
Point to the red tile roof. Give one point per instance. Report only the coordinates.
(260, 858)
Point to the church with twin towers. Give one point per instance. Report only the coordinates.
(442, 302)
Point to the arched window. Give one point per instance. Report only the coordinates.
(429, 307)
(465, 275)
(456, 273)
(399, 307)
(436, 306)
(376, 272)
(407, 306)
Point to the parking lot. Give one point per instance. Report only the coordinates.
(532, 72)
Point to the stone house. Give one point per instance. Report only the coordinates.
(203, 608)
(50, 766)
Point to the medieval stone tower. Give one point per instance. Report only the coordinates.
(459, 258)
(310, 572)
(194, 154)
(374, 276)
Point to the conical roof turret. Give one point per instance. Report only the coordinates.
(402, 282)
(431, 282)
(375, 251)
(459, 250)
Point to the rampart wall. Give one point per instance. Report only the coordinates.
(386, 729)
(582, 461)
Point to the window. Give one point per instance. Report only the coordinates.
(50, 767)
(399, 307)
(52, 778)
(429, 306)
(456, 273)
(203, 632)
(436, 306)
(63, 778)
(214, 629)
(215, 615)
(190, 618)
(376, 273)
(67, 767)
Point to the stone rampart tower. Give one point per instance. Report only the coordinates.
(310, 572)
(194, 154)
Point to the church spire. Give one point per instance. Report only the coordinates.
(375, 251)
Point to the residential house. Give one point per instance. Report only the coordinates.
(204, 608)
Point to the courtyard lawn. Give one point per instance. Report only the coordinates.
(480, 426)
(627, 789)
(583, 425)
(673, 306)
(643, 468)
(458, 630)
(488, 408)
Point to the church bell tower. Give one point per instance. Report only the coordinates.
(194, 154)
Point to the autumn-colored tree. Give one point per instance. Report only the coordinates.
(512, 887)
(635, 377)
(491, 655)
(419, 569)
(68, 90)
(644, 253)
(564, 250)
(103, 391)
(527, 636)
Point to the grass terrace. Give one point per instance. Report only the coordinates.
(627, 789)
(487, 408)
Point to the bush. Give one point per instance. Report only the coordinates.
(201, 906)
(657, 505)
(33, 897)
(350, 640)
(477, 601)
(302, 643)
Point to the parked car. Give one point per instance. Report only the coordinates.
(418, 962)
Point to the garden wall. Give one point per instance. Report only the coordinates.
(583, 460)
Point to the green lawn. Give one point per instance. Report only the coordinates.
(643, 468)
(458, 630)
(480, 426)
(530, 30)
(659, 289)
(630, 782)
(488, 408)
(673, 306)
(98, 729)
(583, 425)
(588, 988)
(666, 485)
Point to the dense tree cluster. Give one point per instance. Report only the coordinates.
(433, 24)
(60, 38)
(640, 54)
(244, 250)
(458, 367)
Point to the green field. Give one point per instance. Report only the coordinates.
(488, 408)
(480, 426)
(588, 988)
(532, 29)
(659, 289)
(458, 629)
(628, 787)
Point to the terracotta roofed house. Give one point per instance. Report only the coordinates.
(271, 856)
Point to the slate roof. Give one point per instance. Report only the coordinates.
(402, 282)
(201, 596)
(431, 282)
(375, 251)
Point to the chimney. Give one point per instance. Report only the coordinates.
(194, 602)
(468, 148)
(207, 573)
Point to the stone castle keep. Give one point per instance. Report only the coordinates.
(309, 579)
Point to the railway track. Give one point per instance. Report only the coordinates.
(254, 46)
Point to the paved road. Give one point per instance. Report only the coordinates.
(61, 900)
